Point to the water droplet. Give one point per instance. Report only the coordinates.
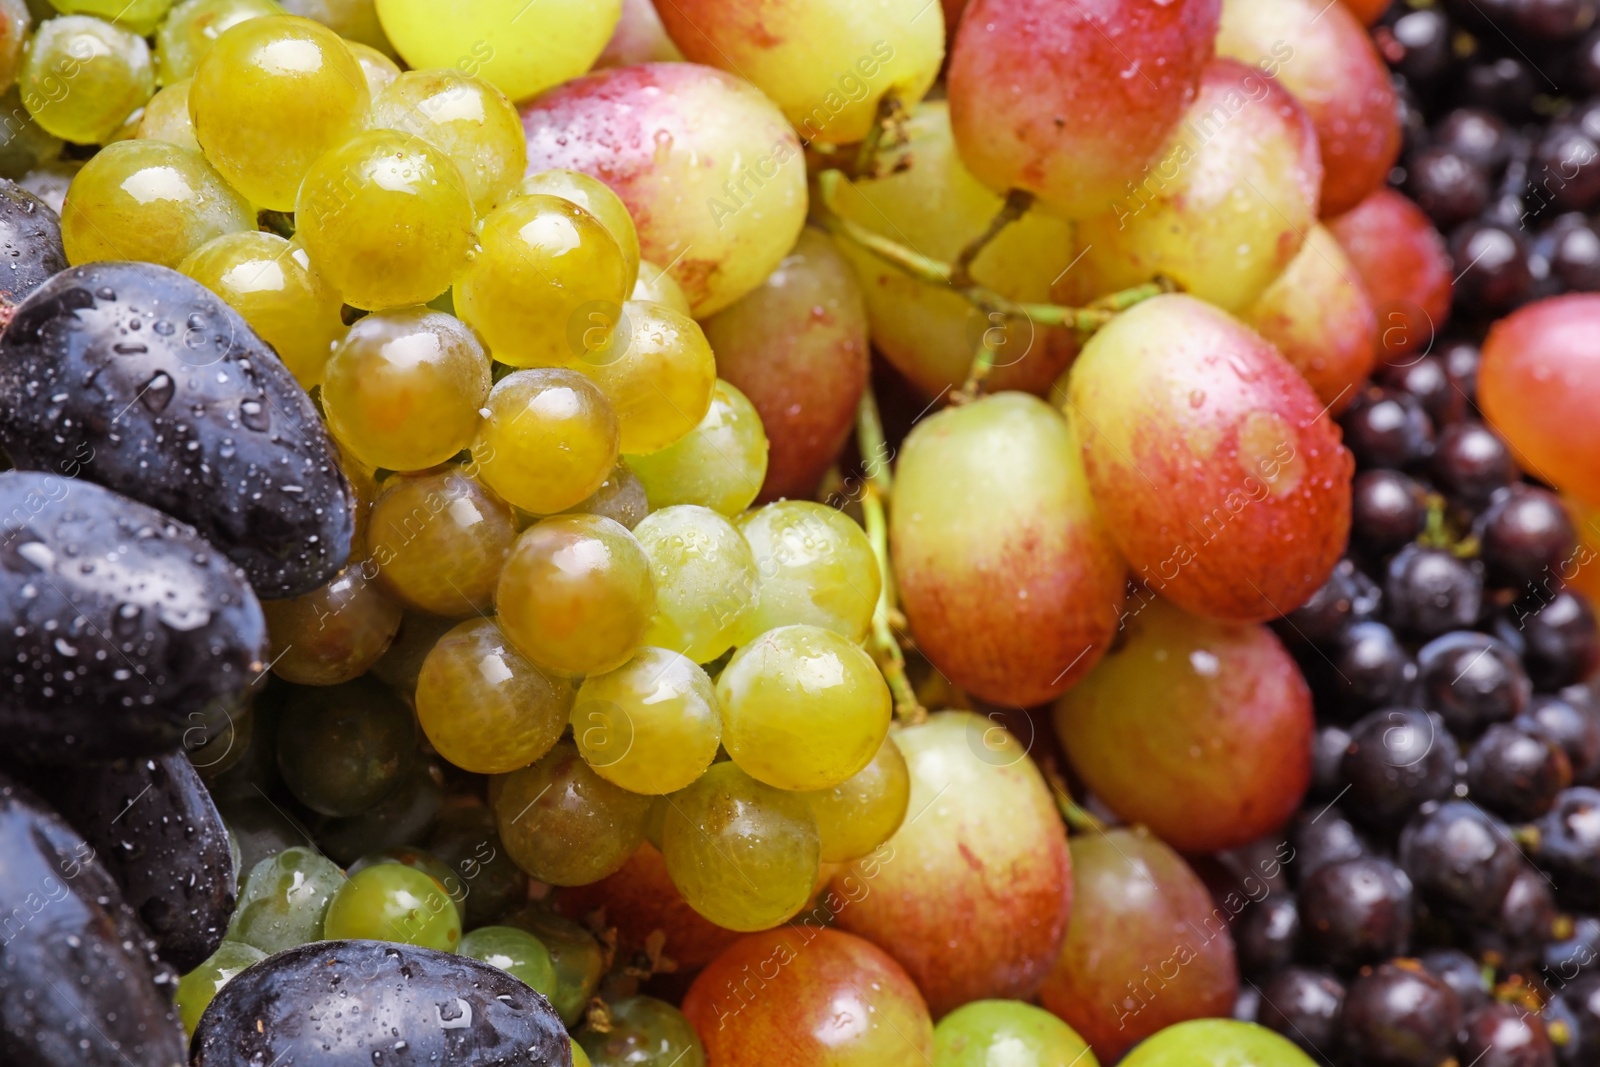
(157, 393)
(129, 348)
(164, 328)
(255, 416)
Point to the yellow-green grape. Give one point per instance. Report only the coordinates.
(548, 440)
(719, 465)
(542, 264)
(381, 71)
(140, 16)
(563, 823)
(621, 497)
(650, 726)
(595, 197)
(83, 77)
(580, 1058)
(659, 287)
(439, 540)
(500, 41)
(197, 988)
(50, 182)
(270, 282)
(403, 389)
(269, 98)
(802, 708)
(467, 119)
(354, 20)
(743, 854)
(816, 567)
(706, 580)
(863, 811)
(15, 23)
(193, 27)
(24, 144)
(657, 370)
(387, 219)
(148, 200)
(166, 118)
(575, 596)
(393, 902)
(333, 634)
(484, 707)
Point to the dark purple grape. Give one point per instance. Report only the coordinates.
(1327, 759)
(1564, 959)
(1561, 642)
(1321, 838)
(1460, 972)
(1565, 173)
(30, 244)
(1460, 858)
(1387, 510)
(1505, 86)
(1373, 667)
(1583, 65)
(1246, 1004)
(1267, 934)
(1461, 363)
(1575, 257)
(1551, 20)
(1472, 680)
(1527, 536)
(1491, 262)
(1387, 428)
(1417, 46)
(1347, 596)
(1428, 379)
(1569, 719)
(1446, 185)
(1355, 912)
(1528, 914)
(1398, 760)
(1516, 773)
(1304, 1006)
(1470, 462)
(1568, 844)
(1499, 1035)
(1477, 135)
(1429, 591)
(1572, 1019)
(1399, 1015)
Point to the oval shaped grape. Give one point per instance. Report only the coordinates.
(1007, 573)
(1202, 446)
(1218, 1043)
(1017, 1034)
(1403, 263)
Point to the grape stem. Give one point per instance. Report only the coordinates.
(874, 500)
(1079, 820)
(1018, 201)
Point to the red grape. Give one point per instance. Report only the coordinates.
(1403, 262)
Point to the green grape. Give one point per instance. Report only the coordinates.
(403, 389)
(595, 197)
(465, 838)
(140, 16)
(657, 370)
(620, 498)
(650, 726)
(803, 708)
(719, 465)
(563, 823)
(578, 959)
(1009, 1032)
(467, 119)
(580, 1058)
(51, 181)
(354, 20)
(743, 854)
(484, 707)
(333, 634)
(576, 596)
(24, 144)
(148, 200)
(528, 54)
(193, 27)
(381, 71)
(417, 860)
(392, 902)
(387, 219)
(439, 539)
(15, 22)
(706, 580)
(284, 900)
(656, 286)
(341, 749)
(655, 823)
(166, 118)
(542, 263)
(270, 281)
(404, 816)
(816, 566)
(83, 77)
(514, 951)
(196, 988)
(260, 828)
(644, 1032)
(548, 440)
(269, 98)
(863, 811)
(1217, 1043)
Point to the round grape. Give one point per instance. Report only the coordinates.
(1217, 1043)
(196, 988)
(643, 1030)
(83, 77)
(596, 197)
(284, 899)
(720, 464)
(140, 16)
(193, 27)
(578, 959)
(706, 580)
(816, 566)
(1008, 1031)
(439, 540)
(16, 22)
(333, 634)
(467, 119)
(547, 441)
(381, 71)
(563, 823)
(620, 497)
(392, 902)
(166, 118)
(342, 749)
(656, 369)
(864, 810)
(514, 951)
(658, 287)
(651, 726)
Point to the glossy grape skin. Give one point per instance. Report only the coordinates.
(1006, 572)
(548, 440)
(1128, 881)
(354, 20)
(1325, 58)
(981, 851)
(797, 347)
(333, 634)
(197, 987)
(815, 566)
(819, 998)
(802, 708)
(655, 368)
(1043, 100)
(643, 1030)
(483, 706)
(403, 389)
(1199, 730)
(578, 959)
(342, 749)
(270, 282)
(393, 902)
(192, 26)
(464, 117)
(387, 218)
(1217, 1043)
(564, 824)
(514, 951)
(720, 464)
(595, 197)
(1018, 1034)
(82, 77)
(705, 577)
(658, 287)
(638, 38)
(863, 811)
(263, 122)
(381, 71)
(438, 540)
(1402, 262)
(1201, 444)
(1319, 316)
(743, 854)
(284, 900)
(166, 118)
(1399, 1014)
(651, 726)
(620, 498)
(576, 595)
(935, 205)
(711, 171)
